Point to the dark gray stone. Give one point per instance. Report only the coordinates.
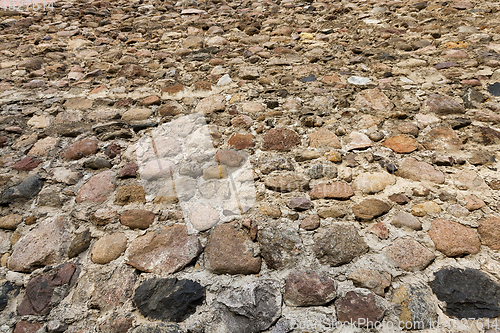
(274, 163)
(468, 293)
(494, 89)
(80, 243)
(338, 244)
(168, 299)
(28, 189)
(248, 309)
(279, 248)
(7, 291)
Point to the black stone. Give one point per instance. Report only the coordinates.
(309, 78)
(468, 293)
(80, 243)
(458, 123)
(272, 104)
(24, 191)
(168, 299)
(494, 89)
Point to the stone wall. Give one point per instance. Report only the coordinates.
(240, 167)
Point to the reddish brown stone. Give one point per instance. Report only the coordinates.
(173, 89)
(169, 110)
(132, 70)
(401, 144)
(280, 139)
(489, 230)
(129, 170)
(408, 254)
(443, 105)
(26, 327)
(26, 164)
(242, 141)
(165, 252)
(358, 309)
(124, 102)
(38, 299)
(399, 198)
(137, 218)
(336, 190)
(80, 149)
(454, 239)
(202, 85)
(309, 289)
(311, 222)
(229, 158)
(380, 230)
(229, 251)
(151, 100)
(117, 325)
(97, 188)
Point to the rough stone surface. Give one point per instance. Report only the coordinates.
(454, 239)
(229, 251)
(308, 289)
(97, 188)
(164, 253)
(137, 218)
(249, 309)
(376, 281)
(287, 183)
(40, 298)
(369, 209)
(489, 230)
(279, 248)
(419, 171)
(10, 221)
(45, 245)
(404, 219)
(80, 149)
(418, 310)
(359, 309)
(468, 293)
(129, 194)
(280, 139)
(338, 244)
(26, 190)
(401, 144)
(408, 254)
(336, 190)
